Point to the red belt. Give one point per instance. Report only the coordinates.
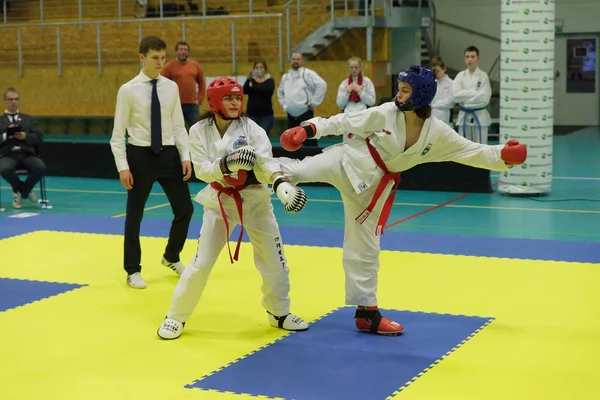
(235, 193)
(387, 207)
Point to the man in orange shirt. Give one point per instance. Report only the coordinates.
(189, 77)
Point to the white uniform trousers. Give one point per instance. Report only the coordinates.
(472, 133)
(269, 258)
(361, 245)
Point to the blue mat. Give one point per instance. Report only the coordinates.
(17, 292)
(527, 249)
(351, 364)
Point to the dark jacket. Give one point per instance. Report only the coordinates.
(30, 126)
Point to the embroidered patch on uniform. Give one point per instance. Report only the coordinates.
(239, 143)
(426, 149)
(362, 186)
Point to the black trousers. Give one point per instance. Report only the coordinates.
(296, 121)
(14, 160)
(147, 168)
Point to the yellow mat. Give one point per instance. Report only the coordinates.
(99, 341)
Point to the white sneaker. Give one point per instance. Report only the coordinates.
(177, 267)
(17, 200)
(288, 322)
(136, 281)
(32, 197)
(170, 329)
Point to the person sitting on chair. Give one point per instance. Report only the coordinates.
(18, 144)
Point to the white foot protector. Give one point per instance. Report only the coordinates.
(289, 322)
(170, 329)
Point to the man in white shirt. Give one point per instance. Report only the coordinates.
(149, 110)
(472, 90)
(300, 91)
(443, 102)
(356, 92)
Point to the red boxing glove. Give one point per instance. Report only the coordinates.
(291, 139)
(237, 178)
(513, 152)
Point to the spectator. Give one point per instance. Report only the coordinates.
(472, 90)
(443, 102)
(189, 77)
(357, 92)
(299, 92)
(260, 87)
(18, 149)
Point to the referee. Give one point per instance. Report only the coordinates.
(149, 110)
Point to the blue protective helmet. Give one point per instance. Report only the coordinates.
(424, 86)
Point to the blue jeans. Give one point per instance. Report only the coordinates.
(264, 122)
(191, 113)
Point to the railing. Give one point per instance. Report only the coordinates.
(111, 42)
(119, 10)
(372, 12)
(290, 27)
(494, 71)
(289, 24)
(362, 8)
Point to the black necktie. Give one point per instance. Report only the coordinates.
(155, 121)
(12, 118)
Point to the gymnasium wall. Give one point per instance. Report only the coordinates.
(80, 91)
(579, 16)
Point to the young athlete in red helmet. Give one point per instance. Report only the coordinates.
(234, 155)
(385, 141)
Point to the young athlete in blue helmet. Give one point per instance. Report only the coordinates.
(385, 140)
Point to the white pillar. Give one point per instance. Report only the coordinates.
(527, 92)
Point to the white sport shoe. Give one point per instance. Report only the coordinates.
(17, 200)
(288, 322)
(170, 329)
(136, 281)
(32, 197)
(177, 267)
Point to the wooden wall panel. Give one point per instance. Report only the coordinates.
(82, 92)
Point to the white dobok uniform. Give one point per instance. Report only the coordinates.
(443, 102)
(473, 92)
(207, 148)
(351, 169)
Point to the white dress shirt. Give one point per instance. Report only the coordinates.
(132, 115)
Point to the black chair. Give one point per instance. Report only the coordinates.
(43, 199)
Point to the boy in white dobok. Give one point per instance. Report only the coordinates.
(387, 140)
(443, 102)
(233, 154)
(472, 90)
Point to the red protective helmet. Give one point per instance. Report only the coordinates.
(223, 87)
